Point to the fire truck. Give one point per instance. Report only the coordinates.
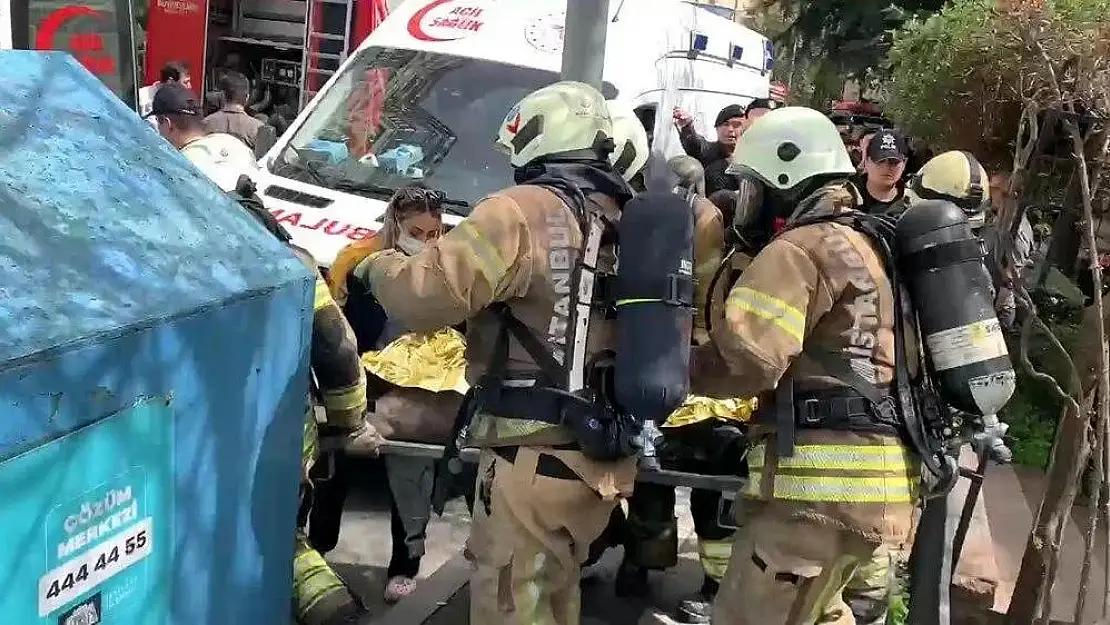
(288, 48)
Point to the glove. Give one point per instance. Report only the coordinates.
(364, 438)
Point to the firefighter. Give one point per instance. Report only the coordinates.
(814, 305)
(319, 596)
(511, 271)
(955, 176)
(651, 540)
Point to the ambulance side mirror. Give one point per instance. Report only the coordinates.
(264, 140)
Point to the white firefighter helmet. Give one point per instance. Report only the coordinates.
(957, 177)
(564, 119)
(631, 151)
(221, 157)
(788, 146)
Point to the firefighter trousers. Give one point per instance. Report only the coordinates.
(531, 530)
(787, 571)
(650, 541)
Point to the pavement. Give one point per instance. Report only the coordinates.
(1011, 496)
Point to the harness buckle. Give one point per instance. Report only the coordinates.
(887, 411)
(809, 413)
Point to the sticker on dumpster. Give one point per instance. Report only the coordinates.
(93, 512)
(94, 567)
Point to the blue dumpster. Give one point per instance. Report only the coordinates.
(153, 371)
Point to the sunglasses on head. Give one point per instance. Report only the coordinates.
(432, 198)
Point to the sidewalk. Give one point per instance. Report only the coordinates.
(1012, 496)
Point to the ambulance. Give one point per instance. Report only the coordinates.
(421, 99)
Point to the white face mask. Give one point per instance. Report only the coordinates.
(409, 245)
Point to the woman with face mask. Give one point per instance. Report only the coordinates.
(413, 217)
(414, 382)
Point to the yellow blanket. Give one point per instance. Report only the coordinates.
(433, 362)
(437, 363)
(698, 408)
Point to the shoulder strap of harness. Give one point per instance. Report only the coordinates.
(902, 406)
(570, 374)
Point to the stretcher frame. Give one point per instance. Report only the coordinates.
(666, 477)
(449, 580)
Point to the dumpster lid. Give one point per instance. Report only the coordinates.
(104, 224)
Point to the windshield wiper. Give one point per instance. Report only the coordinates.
(363, 188)
(454, 206)
(450, 205)
(305, 165)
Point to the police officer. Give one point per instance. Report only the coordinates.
(319, 596)
(814, 303)
(510, 264)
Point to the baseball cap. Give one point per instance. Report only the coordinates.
(762, 103)
(886, 145)
(174, 99)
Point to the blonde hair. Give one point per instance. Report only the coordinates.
(406, 202)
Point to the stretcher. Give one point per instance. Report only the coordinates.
(723, 483)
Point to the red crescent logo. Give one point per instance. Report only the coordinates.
(44, 39)
(416, 30)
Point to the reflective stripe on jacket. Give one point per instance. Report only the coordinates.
(864, 473)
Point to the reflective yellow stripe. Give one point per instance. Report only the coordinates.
(310, 442)
(892, 458)
(490, 263)
(345, 399)
(313, 579)
(886, 489)
(714, 556)
(786, 317)
(323, 294)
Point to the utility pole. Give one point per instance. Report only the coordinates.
(584, 41)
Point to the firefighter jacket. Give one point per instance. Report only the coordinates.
(519, 246)
(339, 377)
(818, 287)
(709, 243)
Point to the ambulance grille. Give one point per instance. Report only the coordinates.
(297, 197)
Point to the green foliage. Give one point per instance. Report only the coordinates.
(853, 36)
(960, 78)
(1034, 410)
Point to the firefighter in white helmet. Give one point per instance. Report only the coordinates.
(511, 271)
(832, 486)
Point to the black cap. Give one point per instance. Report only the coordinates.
(886, 145)
(175, 99)
(727, 113)
(762, 103)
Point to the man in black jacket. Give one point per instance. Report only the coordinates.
(714, 155)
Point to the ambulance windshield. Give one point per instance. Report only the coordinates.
(395, 117)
